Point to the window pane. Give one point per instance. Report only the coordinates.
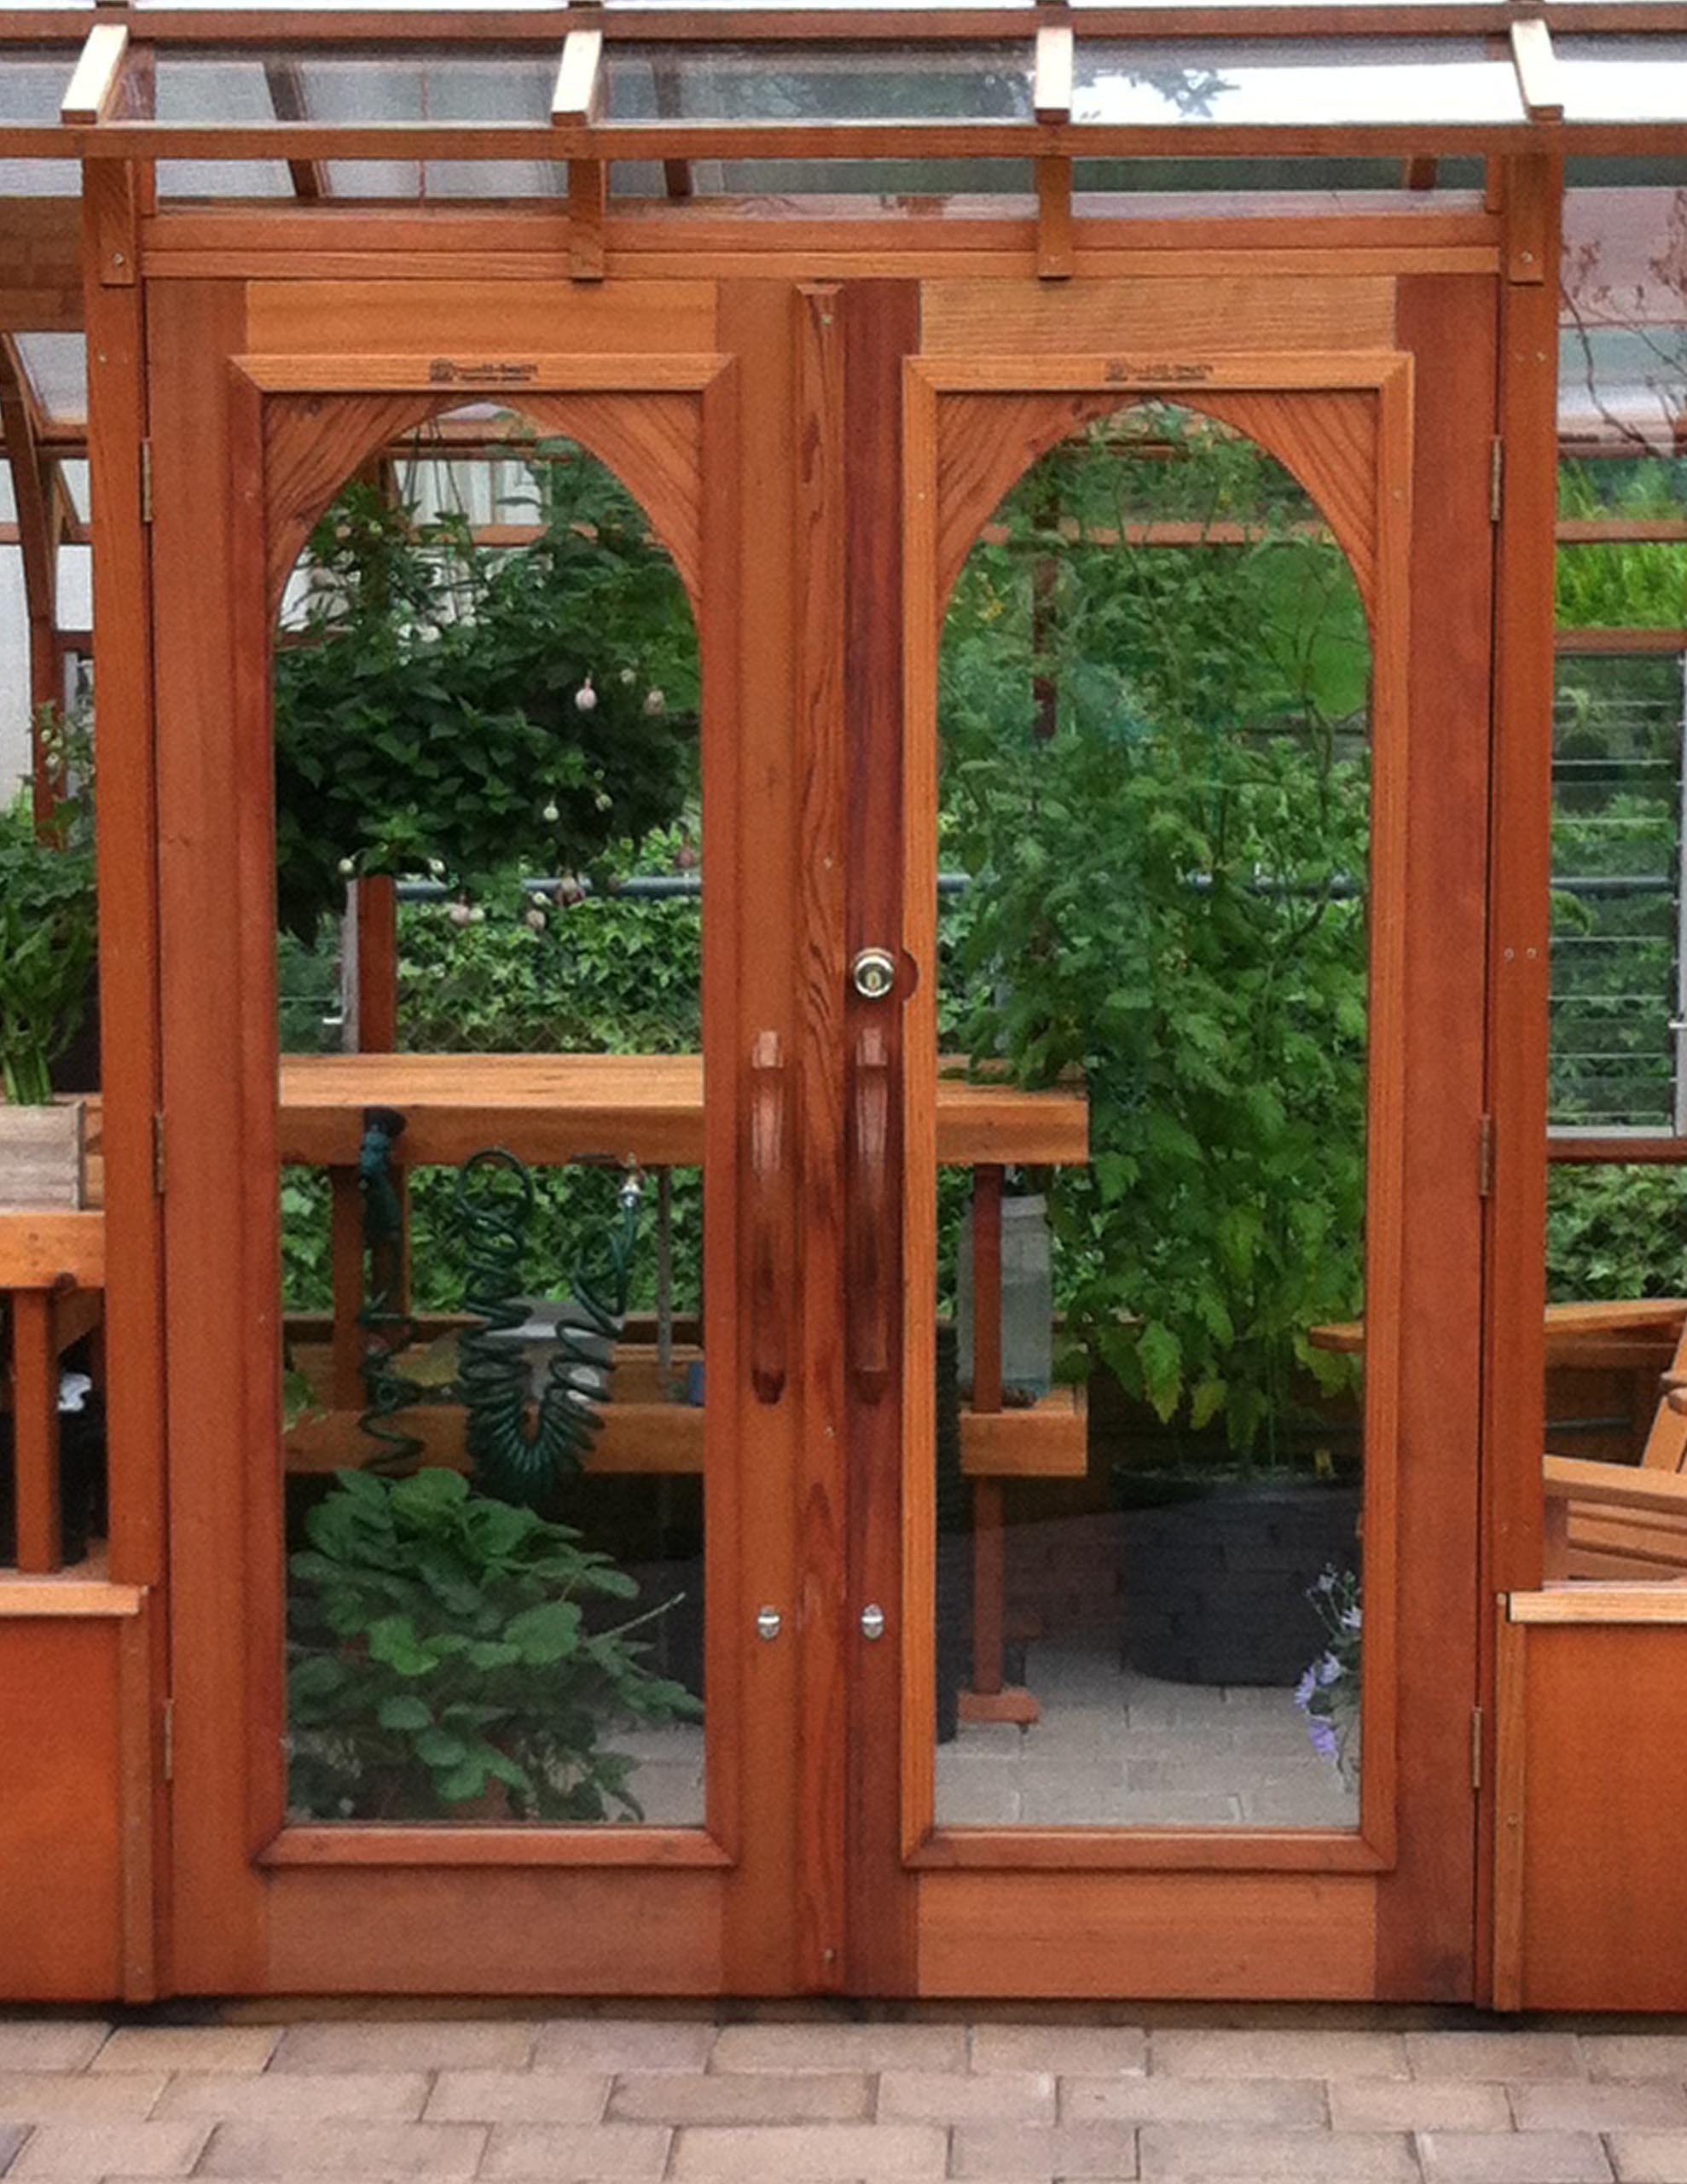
(1624, 79)
(1291, 80)
(1153, 828)
(830, 83)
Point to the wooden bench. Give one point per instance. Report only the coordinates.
(1625, 1521)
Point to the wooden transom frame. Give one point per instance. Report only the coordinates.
(666, 426)
(1342, 425)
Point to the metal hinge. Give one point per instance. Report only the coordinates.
(1475, 1748)
(1485, 1159)
(1496, 479)
(157, 1153)
(167, 1740)
(146, 481)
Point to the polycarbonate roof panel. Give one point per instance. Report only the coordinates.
(180, 178)
(1623, 79)
(1287, 82)
(985, 82)
(446, 179)
(57, 366)
(345, 86)
(32, 83)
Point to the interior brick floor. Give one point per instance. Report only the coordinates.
(1337, 2097)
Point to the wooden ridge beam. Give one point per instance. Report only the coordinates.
(38, 548)
(266, 26)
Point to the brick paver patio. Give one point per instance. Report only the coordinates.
(597, 2099)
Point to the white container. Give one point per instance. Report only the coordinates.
(1027, 1299)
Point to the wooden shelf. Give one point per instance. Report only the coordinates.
(643, 1433)
(1048, 1440)
(42, 1251)
(550, 1109)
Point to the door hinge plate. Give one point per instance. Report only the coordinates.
(157, 1153)
(1485, 1159)
(167, 1740)
(1496, 479)
(146, 481)
(1475, 1748)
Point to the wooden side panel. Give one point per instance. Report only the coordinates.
(514, 1931)
(1425, 1911)
(1182, 1936)
(1603, 1911)
(1148, 319)
(60, 1818)
(467, 319)
(193, 329)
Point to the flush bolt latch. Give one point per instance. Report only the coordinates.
(873, 1621)
(769, 1625)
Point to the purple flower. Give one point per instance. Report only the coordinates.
(1323, 1738)
(1304, 1690)
(1328, 1671)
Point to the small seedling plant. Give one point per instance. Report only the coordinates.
(448, 1652)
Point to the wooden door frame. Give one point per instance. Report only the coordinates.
(1055, 1884)
(261, 1907)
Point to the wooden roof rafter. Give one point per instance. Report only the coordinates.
(38, 514)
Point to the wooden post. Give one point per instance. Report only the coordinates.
(376, 912)
(35, 1432)
(114, 195)
(988, 1699)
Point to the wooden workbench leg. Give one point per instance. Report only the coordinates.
(35, 1433)
(988, 1700)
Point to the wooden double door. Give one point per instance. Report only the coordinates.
(915, 1745)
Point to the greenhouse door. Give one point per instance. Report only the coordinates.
(1178, 1009)
(481, 1538)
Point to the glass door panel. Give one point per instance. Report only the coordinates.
(1153, 826)
(488, 820)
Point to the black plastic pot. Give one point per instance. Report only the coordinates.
(1215, 1572)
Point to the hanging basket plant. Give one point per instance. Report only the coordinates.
(442, 707)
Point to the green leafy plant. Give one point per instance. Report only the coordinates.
(446, 1649)
(448, 708)
(49, 932)
(1156, 772)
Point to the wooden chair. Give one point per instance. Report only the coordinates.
(1625, 1521)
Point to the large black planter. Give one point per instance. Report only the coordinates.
(1214, 1575)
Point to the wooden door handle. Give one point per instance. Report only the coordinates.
(768, 1284)
(869, 1213)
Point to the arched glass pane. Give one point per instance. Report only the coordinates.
(1154, 816)
(489, 891)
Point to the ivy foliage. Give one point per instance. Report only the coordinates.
(444, 1646)
(444, 706)
(49, 928)
(1155, 771)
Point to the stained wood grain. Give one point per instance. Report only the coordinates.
(1177, 316)
(822, 1486)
